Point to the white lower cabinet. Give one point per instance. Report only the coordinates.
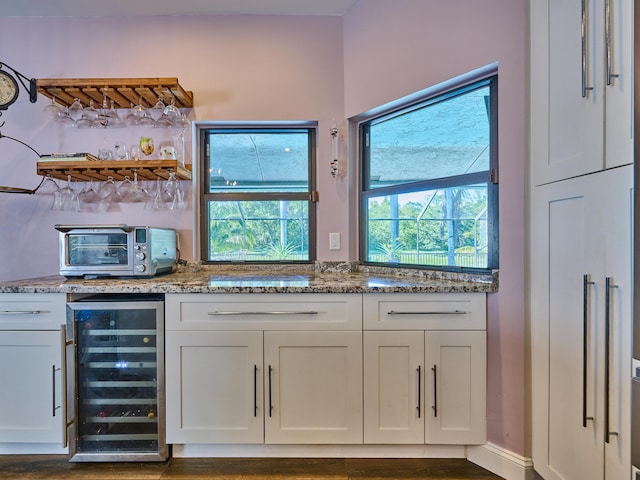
(298, 386)
(214, 387)
(313, 387)
(288, 369)
(425, 387)
(30, 378)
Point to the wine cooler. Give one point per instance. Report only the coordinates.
(115, 378)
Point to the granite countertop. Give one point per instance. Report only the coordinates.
(285, 279)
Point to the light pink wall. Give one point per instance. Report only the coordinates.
(282, 68)
(393, 49)
(239, 68)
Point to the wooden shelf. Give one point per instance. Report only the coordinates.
(118, 169)
(123, 91)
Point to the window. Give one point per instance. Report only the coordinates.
(429, 190)
(256, 193)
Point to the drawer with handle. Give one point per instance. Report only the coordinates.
(429, 311)
(263, 311)
(32, 311)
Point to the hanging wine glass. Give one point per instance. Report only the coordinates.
(53, 108)
(171, 110)
(75, 109)
(137, 192)
(157, 110)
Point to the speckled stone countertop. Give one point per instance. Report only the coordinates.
(319, 278)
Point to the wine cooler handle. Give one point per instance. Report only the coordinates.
(435, 391)
(583, 38)
(63, 376)
(585, 346)
(607, 361)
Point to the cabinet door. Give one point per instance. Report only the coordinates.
(581, 235)
(214, 387)
(618, 268)
(30, 396)
(566, 246)
(455, 369)
(393, 387)
(313, 387)
(567, 123)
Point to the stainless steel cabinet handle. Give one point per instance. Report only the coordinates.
(435, 391)
(419, 389)
(21, 312)
(585, 346)
(231, 313)
(607, 35)
(607, 352)
(583, 35)
(53, 390)
(270, 402)
(255, 390)
(444, 312)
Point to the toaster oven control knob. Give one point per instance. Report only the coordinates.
(140, 256)
(141, 268)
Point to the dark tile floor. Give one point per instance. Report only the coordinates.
(56, 467)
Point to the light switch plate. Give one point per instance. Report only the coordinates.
(334, 241)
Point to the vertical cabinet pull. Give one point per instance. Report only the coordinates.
(435, 391)
(63, 372)
(419, 388)
(53, 391)
(585, 345)
(583, 35)
(607, 361)
(607, 37)
(270, 402)
(255, 390)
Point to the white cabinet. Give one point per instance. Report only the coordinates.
(214, 387)
(581, 326)
(31, 409)
(425, 386)
(234, 375)
(581, 87)
(313, 387)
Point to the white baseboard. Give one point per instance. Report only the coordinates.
(502, 462)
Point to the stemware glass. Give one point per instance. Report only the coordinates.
(64, 118)
(171, 110)
(137, 192)
(66, 198)
(123, 189)
(147, 146)
(75, 109)
(53, 108)
(88, 196)
(157, 110)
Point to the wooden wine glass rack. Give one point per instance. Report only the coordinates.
(123, 91)
(85, 171)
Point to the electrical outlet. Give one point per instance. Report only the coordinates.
(334, 241)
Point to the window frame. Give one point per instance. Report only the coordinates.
(454, 87)
(205, 196)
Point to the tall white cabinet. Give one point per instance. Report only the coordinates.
(581, 87)
(580, 245)
(581, 327)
